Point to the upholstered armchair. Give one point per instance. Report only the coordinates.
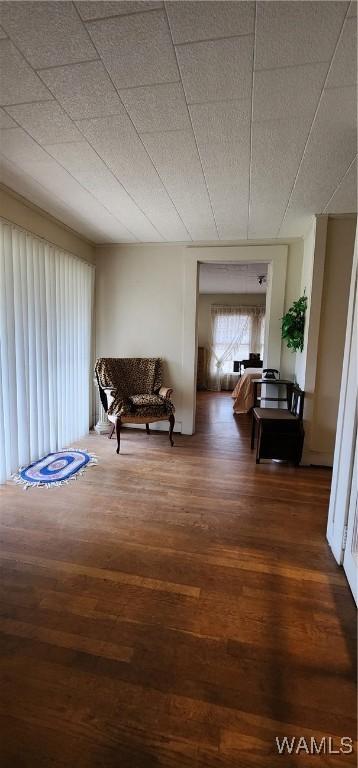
(131, 392)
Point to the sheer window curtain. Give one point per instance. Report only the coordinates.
(46, 299)
(235, 332)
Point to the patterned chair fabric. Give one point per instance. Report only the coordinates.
(130, 387)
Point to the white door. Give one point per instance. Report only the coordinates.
(342, 516)
(350, 558)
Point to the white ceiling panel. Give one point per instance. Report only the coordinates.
(344, 199)
(84, 90)
(83, 163)
(47, 33)
(331, 148)
(190, 21)
(175, 156)
(288, 92)
(18, 82)
(18, 148)
(46, 122)
(291, 33)
(232, 278)
(217, 70)
(97, 85)
(353, 8)
(117, 142)
(157, 107)
(277, 147)
(223, 135)
(5, 120)
(89, 219)
(101, 9)
(136, 49)
(344, 66)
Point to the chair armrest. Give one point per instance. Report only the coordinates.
(166, 392)
(110, 397)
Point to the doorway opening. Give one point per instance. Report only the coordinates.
(231, 311)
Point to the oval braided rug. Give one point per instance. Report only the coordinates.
(55, 469)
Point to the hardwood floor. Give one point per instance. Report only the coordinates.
(176, 607)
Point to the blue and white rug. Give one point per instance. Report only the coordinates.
(55, 469)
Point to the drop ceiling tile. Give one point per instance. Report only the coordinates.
(190, 21)
(175, 156)
(277, 147)
(84, 90)
(217, 70)
(136, 49)
(353, 9)
(130, 163)
(293, 91)
(291, 33)
(47, 33)
(33, 161)
(83, 163)
(330, 150)
(232, 278)
(344, 199)
(223, 135)
(87, 217)
(46, 122)
(5, 120)
(101, 9)
(344, 66)
(2, 33)
(157, 107)
(18, 83)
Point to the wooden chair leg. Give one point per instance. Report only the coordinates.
(147, 428)
(118, 432)
(253, 431)
(258, 444)
(171, 428)
(111, 432)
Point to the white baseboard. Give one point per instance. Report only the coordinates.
(314, 458)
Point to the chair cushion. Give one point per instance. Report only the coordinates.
(277, 414)
(147, 405)
(145, 400)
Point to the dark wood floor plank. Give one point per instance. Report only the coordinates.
(175, 608)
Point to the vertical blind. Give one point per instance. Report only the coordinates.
(46, 298)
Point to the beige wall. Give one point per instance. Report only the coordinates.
(139, 306)
(292, 292)
(332, 329)
(25, 215)
(142, 305)
(228, 299)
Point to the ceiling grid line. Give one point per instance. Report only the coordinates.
(211, 39)
(117, 15)
(251, 122)
(191, 124)
(69, 64)
(134, 127)
(313, 122)
(341, 182)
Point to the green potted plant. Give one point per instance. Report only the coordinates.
(293, 324)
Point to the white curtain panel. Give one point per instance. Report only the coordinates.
(46, 298)
(235, 332)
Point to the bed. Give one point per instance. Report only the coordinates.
(243, 393)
